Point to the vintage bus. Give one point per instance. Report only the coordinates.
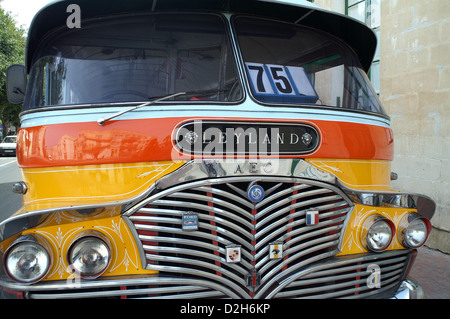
(205, 149)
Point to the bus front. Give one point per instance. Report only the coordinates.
(206, 150)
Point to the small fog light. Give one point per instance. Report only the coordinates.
(89, 256)
(27, 261)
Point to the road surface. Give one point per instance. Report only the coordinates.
(9, 174)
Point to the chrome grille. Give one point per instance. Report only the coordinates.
(228, 217)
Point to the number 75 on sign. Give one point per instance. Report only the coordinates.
(271, 79)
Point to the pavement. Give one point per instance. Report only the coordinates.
(432, 271)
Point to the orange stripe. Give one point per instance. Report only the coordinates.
(149, 140)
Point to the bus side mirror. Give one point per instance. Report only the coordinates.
(16, 83)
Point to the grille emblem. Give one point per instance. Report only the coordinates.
(307, 139)
(233, 253)
(276, 250)
(190, 221)
(312, 217)
(255, 193)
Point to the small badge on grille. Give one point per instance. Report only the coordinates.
(190, 221)
(276, 250)
(255, 193)
(312, 217)
(233, 253)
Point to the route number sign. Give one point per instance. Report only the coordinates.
(280, 80)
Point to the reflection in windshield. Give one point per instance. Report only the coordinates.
(291, 64)
(135, 59)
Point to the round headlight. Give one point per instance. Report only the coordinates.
(379, 234)
(89, 256)
(27, 262)
(416, 234)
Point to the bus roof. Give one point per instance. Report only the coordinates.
(359, 36)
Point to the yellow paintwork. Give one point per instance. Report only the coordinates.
(79, 185)
(359, 174)
(351, 243)
(60, 230)
(90, 185)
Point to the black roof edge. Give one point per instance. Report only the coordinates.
(356, 34)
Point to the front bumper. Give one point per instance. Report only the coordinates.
(409, 289)
(336, 277)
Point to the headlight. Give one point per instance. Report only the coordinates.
(27, 260)
(377, 233)
(89, 256)
(414, 231)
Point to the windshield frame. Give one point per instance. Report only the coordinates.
(99, 21)
(339, 42)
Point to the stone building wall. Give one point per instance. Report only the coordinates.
(415, 91)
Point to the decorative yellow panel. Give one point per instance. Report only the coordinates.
(359, 174)
(351, 243)
(90, 185)
(61, 233)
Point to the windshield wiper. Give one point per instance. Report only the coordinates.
(103, 120)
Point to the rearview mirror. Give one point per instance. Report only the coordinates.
(16, 83)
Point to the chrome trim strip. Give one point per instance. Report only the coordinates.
(243, 109)
(425, 205)
(138, 243)
(214, 168)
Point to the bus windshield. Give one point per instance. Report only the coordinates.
(134, 59)
(292, 64)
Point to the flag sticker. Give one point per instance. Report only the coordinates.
(233, 253)
(276, 250)
(312, 217)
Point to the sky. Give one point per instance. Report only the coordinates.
(23, 10)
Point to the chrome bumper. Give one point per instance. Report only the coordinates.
(409, 289)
